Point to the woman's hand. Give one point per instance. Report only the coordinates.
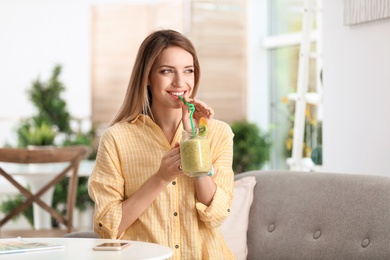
(170, 165)
(201, 110)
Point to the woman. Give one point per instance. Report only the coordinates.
(139, 189)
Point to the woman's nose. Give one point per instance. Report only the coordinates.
(178, 81)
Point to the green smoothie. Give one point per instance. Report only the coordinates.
(195, 156)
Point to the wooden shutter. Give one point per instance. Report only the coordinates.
(218, 30)
(117, 31)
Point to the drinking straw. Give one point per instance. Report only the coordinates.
(191, 107)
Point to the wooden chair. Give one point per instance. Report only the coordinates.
(71, 155)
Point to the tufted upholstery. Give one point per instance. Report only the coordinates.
(303, 215)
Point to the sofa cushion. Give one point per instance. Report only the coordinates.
(235, 226)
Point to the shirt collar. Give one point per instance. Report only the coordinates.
(142, 117)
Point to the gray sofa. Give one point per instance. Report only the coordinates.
(303, 215)
(310, 215)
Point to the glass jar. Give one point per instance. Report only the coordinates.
(195, 154)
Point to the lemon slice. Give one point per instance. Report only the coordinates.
(203, 126)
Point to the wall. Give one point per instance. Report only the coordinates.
(34, 36)
(258, 94)
(356, 133)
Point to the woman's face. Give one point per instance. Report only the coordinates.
(172, 75)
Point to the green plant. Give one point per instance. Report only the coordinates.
(79, 138)
(83, 201)
(12, 202)
(251, 149)
(312, 139)
(316, 154)
(46, 97)
(36, 134)
(52, 113)
(52, 118)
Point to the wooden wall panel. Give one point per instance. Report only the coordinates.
(117, 30)
(218, 30)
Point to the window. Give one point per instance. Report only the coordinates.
(284, 26)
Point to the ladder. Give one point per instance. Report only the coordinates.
(312, 9)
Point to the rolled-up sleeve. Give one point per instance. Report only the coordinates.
(221, 142)
(106, 188)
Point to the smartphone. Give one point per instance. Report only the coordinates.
(112, 246)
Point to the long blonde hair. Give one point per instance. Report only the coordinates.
(138, 99)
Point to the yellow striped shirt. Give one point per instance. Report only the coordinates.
(128, 155)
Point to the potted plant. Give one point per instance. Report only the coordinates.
(252, 146)
(51, 121)
(35, 134)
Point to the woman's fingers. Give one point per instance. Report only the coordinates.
(202, 110)
(170, 163)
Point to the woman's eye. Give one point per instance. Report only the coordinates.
(190, 71)
(166, 71)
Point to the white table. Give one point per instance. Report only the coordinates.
(36, 176)
(81, 248)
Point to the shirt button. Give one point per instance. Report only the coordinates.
(228, 210)
(177, 246)
(100, 225)
(173, 183)
(175, 214)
